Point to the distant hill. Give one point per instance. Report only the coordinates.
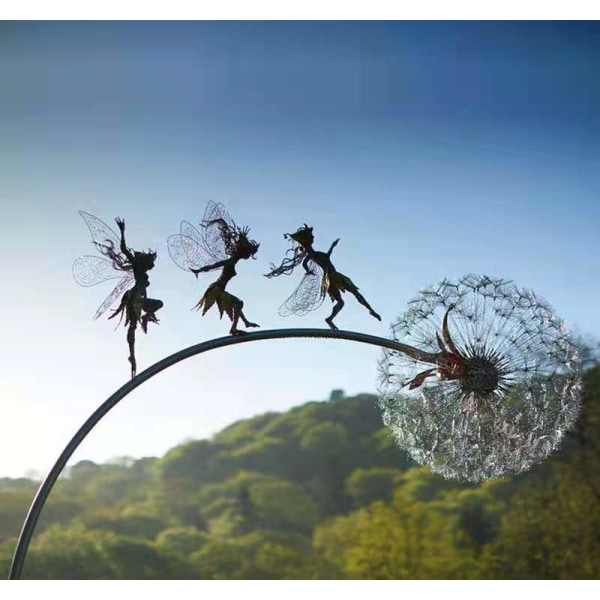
(319, 491)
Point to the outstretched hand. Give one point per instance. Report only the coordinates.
(200, 270)
(121, 223)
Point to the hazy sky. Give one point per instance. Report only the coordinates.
(431, 149)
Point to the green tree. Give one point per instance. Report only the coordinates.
(68, 553)
(550, 532)
(402, 540)
(181, 541)
(365, 486)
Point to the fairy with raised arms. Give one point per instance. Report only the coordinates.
(219, 244)
(132, 266)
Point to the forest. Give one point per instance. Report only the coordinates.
(318, 492)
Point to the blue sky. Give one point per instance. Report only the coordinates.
(431, 149)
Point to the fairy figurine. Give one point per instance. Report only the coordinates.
(219, 244)
(118, 260)
(320, 278)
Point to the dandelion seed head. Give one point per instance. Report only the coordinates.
(517, 391)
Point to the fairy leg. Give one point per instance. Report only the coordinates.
(339, 304)
(362, 300)
(131, 342)
(150, 306)
(236, 309)
(246, 322)
(243, 317)
(237, 314)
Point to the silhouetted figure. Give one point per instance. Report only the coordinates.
(220, 244)
(135, 305)
(320, 279)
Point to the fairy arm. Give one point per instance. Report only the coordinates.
(306, 267)
(333, 246)
(207, 268)
(124, 249)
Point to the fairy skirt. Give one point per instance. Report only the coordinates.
(337, 282)
(217, 295)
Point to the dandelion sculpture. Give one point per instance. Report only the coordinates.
(491, 384)
(131, 266)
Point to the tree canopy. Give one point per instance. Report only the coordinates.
(320, 491)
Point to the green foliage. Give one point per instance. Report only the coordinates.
(79, 553)
(402, 540)
(136, 559)
(365, 486)
(181, 541)
(318, 492)
(68, 553)
(283, 505)
(258, 556)
(476, 513)
(130, 521)
(421, 485)
(550, 531)
(13, 508)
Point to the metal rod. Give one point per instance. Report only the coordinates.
(273, 334)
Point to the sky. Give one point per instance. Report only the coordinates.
(431, 149)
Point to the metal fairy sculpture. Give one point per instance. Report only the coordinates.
(320, 278)
(119, 261)
(220, 244)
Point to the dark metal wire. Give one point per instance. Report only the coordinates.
(48, 483)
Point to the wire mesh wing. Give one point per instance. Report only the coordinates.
(119, 290)
(187, 253)
(192, 232)
(92, 270)
(102, 234)
(308, 296)
(216, 218)
(217, 211)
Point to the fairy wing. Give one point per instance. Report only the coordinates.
(92, 270)
(193, 248)
(215, 223)
(187, 253)
(119, 290)
(215, 211)
(102, 234)
(308, 296)
(188, 230)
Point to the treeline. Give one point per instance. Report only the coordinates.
(318, 492)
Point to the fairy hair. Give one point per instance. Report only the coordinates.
(288, 264)
(119, 261)
(302, 238)
(233, 236)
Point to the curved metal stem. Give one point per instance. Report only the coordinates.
(48, 483)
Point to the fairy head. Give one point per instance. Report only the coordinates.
(145, 260)
(245, 247)
(303, 236)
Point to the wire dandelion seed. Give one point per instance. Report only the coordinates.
(493, 384)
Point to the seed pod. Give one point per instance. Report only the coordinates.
(518, 389)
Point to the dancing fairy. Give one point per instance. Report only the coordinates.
(119, 261)
(220, 244)
(320, 278)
